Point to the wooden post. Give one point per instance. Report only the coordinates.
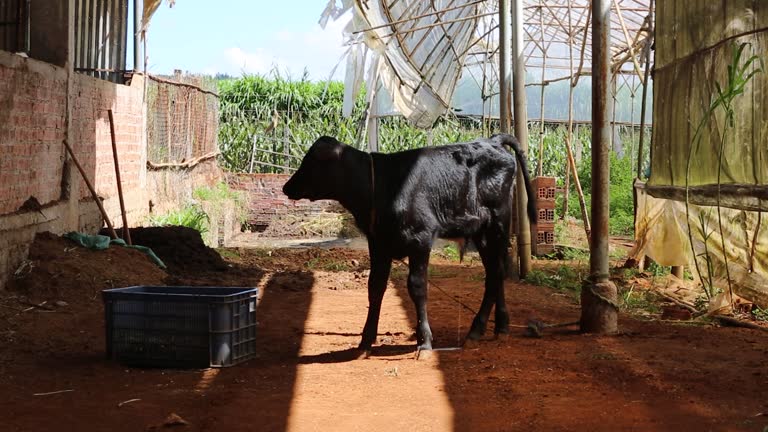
(286, 148)
(253, 154)
(678, 271)
(521, 131)
(126, 231)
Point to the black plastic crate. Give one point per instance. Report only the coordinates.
(172, 326)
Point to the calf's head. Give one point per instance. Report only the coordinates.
(319, 176)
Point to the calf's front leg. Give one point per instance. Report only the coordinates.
(377, 284)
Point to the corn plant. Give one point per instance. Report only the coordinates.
(738, 76)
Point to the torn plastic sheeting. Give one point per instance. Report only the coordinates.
(661, 233)
(419, 69)
(354, 78)
(332, 11)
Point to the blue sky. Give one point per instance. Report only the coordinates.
(232, 36)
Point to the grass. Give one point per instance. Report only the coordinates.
(190, 216)
(229, 253)
(574, 254)
(216, 198)
(638, 301)
(220, 192)
(449, 251)
(564, 278)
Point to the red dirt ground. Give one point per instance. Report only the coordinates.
(653, 377)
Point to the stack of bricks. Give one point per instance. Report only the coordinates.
(543, 235)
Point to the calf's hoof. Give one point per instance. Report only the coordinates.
(501, 336)
(471, 343)
(423, 353)
(363, 354)
(475, 334)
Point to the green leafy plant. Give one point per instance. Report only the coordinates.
(706, 279)
(450, 251)
(191, 216)
(760, 314)
(657, 270)
(562, 278)
(638, 300)
(218, 196)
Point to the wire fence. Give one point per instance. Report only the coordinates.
(182, 118)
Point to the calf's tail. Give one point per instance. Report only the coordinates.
(512, 142)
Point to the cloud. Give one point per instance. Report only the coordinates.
(317, 50)
(257, 62)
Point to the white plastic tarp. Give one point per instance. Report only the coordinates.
(417, 53)
(661, 233)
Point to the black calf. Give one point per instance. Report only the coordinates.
(403, 201)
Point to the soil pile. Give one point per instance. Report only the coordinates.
(58, 267)
(181, 249)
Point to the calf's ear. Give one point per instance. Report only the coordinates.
(327, 148)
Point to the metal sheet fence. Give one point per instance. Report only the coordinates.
(101, 28)
(14, 25)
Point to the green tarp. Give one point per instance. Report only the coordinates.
(101, 242)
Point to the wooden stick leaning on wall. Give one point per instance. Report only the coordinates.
(126, 231)
(96, 198)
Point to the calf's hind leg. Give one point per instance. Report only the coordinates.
(418, 264)
(492, 252)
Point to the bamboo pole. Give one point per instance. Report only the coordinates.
(126, 231)
(566, 192)
(601, 110)
(540, 168)
(615, 146)
(569, 151)
(521, 131)
(630, 44)
(649, 42)
(583, 44)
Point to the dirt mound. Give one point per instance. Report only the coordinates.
(58, 267)
(181, 249)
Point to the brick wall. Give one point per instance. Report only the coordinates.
(32, 127)
(33, 124)
(266, 200)
(92, 140)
